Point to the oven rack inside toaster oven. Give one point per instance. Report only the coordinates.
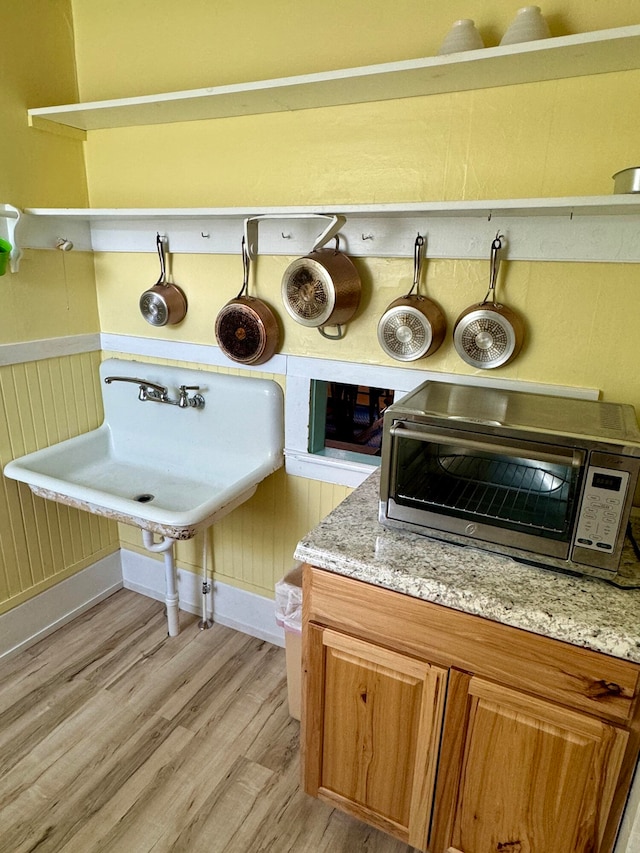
(498, 489)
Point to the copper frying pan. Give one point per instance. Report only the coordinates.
(489, 334)
(246, 328)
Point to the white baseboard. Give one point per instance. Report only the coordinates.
(33, 620)
(41, 615)
(236, 608)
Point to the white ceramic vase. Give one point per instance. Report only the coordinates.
(528, 25)
(463, 35)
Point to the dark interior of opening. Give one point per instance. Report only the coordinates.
(354, 417)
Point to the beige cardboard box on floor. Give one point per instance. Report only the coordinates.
(289, 616)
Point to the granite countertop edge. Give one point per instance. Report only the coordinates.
(582, 611)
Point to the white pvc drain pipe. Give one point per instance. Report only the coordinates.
(165, 546)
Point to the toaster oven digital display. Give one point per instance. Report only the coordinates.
(606, 481)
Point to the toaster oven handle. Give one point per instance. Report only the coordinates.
(573, 457)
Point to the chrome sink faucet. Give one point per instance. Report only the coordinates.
(160, 394)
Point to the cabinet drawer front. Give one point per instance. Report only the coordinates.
(570, 675)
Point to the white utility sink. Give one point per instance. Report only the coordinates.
(167, 469)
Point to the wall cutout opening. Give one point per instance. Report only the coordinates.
(346, 420)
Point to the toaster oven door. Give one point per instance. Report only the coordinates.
(517, 493)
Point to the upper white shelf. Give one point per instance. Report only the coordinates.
(547, 59)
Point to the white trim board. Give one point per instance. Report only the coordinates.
(235, 608)
(35, 619)
(19, 353)
(206, 354)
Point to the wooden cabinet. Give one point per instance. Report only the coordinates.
(528, 775)
(459, 735)
(381, 722)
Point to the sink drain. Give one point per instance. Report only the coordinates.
(144, 498)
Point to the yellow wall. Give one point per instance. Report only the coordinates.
(53, 295)
(548, 139)
(37, 68)
(146, 48)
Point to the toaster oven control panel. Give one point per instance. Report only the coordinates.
(601, 511)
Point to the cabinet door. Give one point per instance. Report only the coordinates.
(372, 729)
(528, 776)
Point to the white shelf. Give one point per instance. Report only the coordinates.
(588, 228)
(547, 59)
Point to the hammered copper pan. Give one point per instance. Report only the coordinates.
(246, 328)
(164, 304)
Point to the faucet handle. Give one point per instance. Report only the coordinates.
(184, 402)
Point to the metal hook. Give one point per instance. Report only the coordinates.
(331, 231)
(250, 239)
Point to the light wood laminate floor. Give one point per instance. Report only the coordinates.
(115, 737)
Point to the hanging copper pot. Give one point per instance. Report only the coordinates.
(322, 289)
(164, 304)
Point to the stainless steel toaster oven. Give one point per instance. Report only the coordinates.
(548, 480)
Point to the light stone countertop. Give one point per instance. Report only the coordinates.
(583, 611)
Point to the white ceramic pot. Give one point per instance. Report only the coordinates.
(463, 35)
(528, 25)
